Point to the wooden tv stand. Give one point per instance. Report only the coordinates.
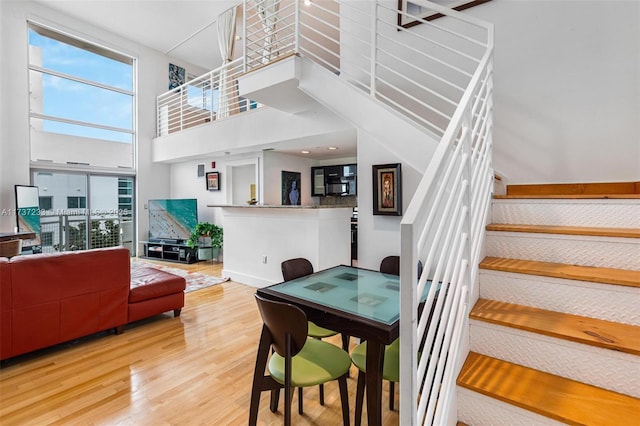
(170, 252)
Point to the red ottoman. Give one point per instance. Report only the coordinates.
(154, 292)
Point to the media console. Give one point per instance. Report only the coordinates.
(170, 251)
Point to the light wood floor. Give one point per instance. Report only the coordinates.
(192, 370)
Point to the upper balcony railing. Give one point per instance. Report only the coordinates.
(212, 96)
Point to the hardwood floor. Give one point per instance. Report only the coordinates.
(192, 370)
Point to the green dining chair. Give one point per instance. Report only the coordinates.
(296, 268)
(296, 360)
(390, 372)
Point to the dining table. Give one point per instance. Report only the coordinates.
(355, 301)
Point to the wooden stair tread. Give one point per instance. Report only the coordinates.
(590, 331)
(598, 189)
(569, 196)
(552, 396)
(561, 270)
(566, 230)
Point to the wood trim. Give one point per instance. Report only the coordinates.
(571, 197)
(552, 396)
(560, 270)
(599, 189)
(590, 331)
(566, 230)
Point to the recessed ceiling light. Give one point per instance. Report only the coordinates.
(304, 151)
(333, 148)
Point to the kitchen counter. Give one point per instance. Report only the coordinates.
(258, 238)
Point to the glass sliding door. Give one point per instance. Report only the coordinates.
(80, 211)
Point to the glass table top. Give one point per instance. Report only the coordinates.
(366, 293)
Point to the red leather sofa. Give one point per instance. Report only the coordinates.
(46, 299)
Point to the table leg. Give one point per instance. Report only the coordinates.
(375, 360)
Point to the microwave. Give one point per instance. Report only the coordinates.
(337, 188)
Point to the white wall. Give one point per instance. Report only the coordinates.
(379, 236)
(274, 164)
(567, 90)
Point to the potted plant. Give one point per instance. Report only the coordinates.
(200, 236)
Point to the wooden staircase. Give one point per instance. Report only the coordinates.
(555, 334)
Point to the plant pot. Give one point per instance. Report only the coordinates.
(205, 253)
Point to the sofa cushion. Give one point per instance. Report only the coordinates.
(151, 283)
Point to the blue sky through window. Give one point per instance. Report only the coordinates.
(65, 98)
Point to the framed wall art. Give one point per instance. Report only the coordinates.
(213, 181)
(176, 76)
(291, 188)
(387, 189)
(427, 14)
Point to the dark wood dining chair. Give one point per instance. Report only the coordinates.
(390, 265)
(296, 360)
(296, 268)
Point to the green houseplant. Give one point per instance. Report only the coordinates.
(202, 232)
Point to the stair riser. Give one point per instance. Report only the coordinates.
(602, 301)
(607, 252)
(480, 410)
(595, 213)
(600, 367)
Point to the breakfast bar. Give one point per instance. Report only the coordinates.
(258, 238)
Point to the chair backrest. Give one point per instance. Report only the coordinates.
(282, 320)
(390, 265)
(296, 268)
(10, 248)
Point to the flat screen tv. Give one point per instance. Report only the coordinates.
(172, 219)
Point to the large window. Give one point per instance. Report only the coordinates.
(81, 102)
(86, 211)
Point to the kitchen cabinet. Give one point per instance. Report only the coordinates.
(339, 180)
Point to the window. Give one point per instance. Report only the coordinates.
(46, 203)
(125, 197)
(83, 91)
(47, 239)
(76, 202)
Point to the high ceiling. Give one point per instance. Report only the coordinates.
(184, 29)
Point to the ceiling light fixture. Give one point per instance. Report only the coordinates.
(333, 148)
(304, 151)
(307, 2)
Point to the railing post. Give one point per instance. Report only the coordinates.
(211, 89)
(244, 40)
(467, 131)
(297, 26)
(374, 47)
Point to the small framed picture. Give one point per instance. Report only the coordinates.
(387, 189)
(213, 181)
